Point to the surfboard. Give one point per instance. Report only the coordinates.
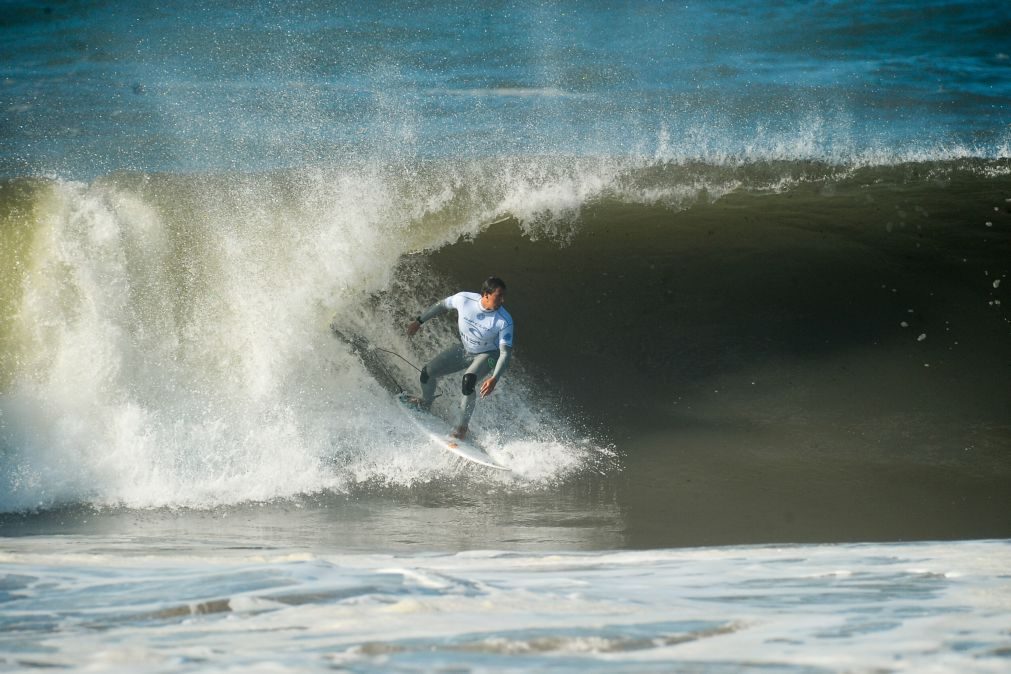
(430, 426)
(438, 431)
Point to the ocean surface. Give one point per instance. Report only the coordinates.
(759, 413)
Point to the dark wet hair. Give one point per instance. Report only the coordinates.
(491, 284)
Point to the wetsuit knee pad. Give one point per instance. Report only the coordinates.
(424, 375)
(469, 382)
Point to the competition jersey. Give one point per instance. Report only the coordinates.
(480, 330)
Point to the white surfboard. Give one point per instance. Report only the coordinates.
(438, 431)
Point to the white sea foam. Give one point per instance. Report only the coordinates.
(911, 607)
(184, 359)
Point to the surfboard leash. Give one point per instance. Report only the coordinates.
(386, 372)
(361, 346)
(394, 353)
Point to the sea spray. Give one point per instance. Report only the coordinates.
(173, 343)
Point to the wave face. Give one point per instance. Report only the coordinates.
(165, 338)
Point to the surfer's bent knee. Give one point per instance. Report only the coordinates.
(469, 382)
(424, 375)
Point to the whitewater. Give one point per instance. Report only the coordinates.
(159, 318)
(119, 605)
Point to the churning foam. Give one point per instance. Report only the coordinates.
(171, 344)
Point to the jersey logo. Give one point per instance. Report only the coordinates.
(480, 317)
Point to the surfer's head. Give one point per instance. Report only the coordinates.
(493, 293)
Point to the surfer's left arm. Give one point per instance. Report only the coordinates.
(505, 354)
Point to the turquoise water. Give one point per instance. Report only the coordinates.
(90, 88)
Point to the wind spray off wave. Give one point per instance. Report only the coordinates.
(168, 344)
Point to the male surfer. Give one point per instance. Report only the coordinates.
(486, 344)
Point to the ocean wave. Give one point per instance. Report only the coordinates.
(165, 340)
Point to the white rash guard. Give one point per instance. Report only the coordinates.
(481, 330)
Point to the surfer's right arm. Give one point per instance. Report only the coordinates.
(440, 307)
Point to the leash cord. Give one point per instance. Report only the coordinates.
(394, 353)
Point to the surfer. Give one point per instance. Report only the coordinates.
(486, 344)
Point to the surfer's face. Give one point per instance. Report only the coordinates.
(493, 300)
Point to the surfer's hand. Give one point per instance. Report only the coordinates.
(413, 328)
(488, 386)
